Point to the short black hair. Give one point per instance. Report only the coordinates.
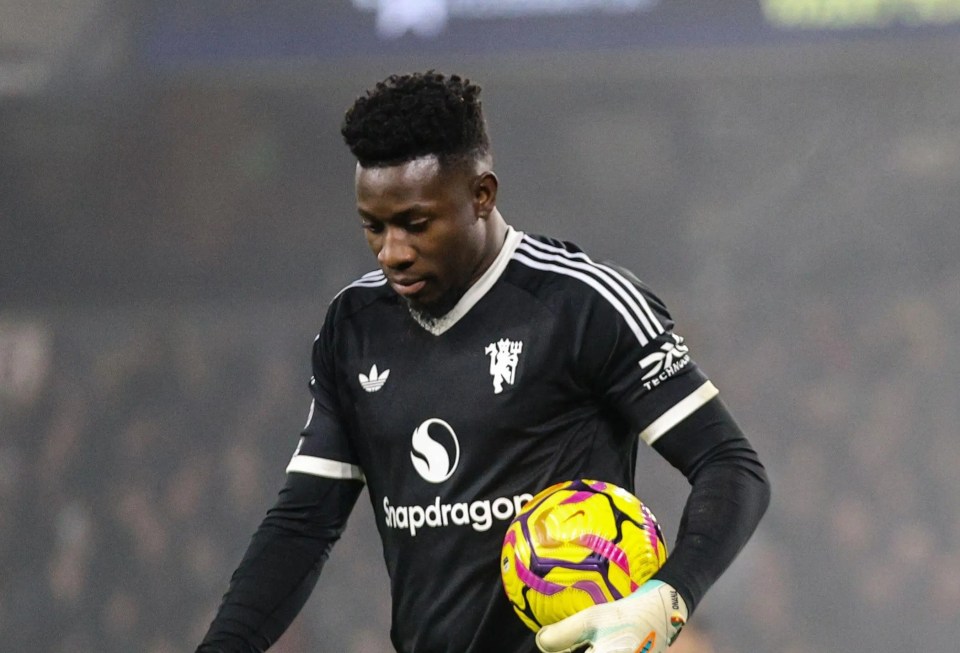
(405, 117)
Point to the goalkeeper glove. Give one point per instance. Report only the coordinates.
(647, 621)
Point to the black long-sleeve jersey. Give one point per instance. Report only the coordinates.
(551, 367)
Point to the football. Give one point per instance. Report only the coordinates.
(576, 544)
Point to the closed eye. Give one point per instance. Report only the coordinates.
(413, 221)
(417, 226)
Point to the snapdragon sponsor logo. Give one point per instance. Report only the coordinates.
(479, 514)
(435, 457)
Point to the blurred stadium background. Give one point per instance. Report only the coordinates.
(176, 210)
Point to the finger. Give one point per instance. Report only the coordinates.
(563, 636)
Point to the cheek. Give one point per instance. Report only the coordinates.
(462, 257)
(373, 241)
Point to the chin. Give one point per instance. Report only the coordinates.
(436, 307)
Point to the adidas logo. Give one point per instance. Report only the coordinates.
(375, 380)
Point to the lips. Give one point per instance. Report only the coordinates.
(407, 287)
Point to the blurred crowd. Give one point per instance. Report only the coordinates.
(134, 473)
(852, 402)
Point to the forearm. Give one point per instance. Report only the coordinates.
(725, 505)
(729, 494)
(281, 565)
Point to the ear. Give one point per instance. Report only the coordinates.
(485, 193)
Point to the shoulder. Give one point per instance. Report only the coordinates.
(566, 263)
(548, 265)
(560, 271)
(369, 290)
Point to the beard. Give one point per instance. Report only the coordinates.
(434, 316)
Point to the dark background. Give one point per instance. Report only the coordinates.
(176, 210)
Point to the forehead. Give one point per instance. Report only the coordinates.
(417, 181)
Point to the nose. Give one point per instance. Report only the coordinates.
(395, 251)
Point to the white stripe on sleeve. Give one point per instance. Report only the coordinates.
(313, 406)
(679, 412)
(622, 286)
(369, 280)
(591, 281)
(325, 467)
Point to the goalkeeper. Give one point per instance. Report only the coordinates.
(477, 365)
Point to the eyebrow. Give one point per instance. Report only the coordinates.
(400, 215)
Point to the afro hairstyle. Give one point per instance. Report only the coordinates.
(405, 117)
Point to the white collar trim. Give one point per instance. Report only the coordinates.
(480, 288)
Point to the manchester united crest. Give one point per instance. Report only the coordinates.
(504, 355)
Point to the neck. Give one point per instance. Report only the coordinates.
(496, 234)
(494, 238)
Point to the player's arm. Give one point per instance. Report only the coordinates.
(645, 371)
(728, 495)
(660, 390)
(288, 550)
(282, 563)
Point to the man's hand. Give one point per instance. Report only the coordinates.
(647, 621)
